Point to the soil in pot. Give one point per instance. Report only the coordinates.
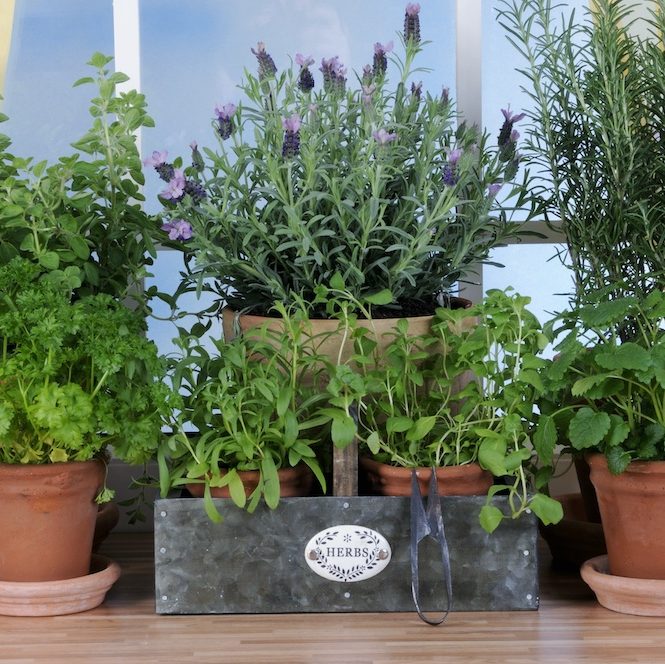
(48, 519)
(385, 480)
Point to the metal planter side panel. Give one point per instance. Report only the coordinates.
(255, 563)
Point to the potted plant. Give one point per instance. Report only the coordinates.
(77, 378)
(81, 218)
(370, 189)
(594, 137)
(248, 425)
(617, 420)
(596, 121)
(412, 414)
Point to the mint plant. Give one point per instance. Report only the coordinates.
(604, 394)
(411, 406)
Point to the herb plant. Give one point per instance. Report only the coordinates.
(413, 407)
(604, 394)
(375, 183)
(251, 404)
(75, 377)
(81, 219)
(596, 137)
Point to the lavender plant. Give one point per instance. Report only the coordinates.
(596, 138)
(374, 184)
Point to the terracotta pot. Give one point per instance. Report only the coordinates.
(295, 481)
(321, 330)
(467, 480)
(48, 519)
(632, 506)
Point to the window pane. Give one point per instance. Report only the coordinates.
(51, 42)
(533, 270)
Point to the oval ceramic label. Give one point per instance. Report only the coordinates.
(348, 553)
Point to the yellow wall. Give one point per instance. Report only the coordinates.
(6, 26)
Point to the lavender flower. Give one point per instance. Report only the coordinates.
(157, 158)
(267, 68)
(412, 23)
(225, 120)
(334, 75)
(506, 144)
(195, 190)
(417, 90)
(305, 78)
(291, 145)
(175, 189)
(494, 189)
(450, 173)
(158, 161)
(178, 229)
(380, 61)
(197, 159)
(367, 75)
(383, 137)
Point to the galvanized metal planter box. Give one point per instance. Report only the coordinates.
(255, 563)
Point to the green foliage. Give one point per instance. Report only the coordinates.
(250, 404)
(596, 137)
(75, 377)
(81, 218)
(394, 217)
(416, 404)
(605, 394)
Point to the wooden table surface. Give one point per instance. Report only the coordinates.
(569, 627)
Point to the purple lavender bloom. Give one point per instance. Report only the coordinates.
(383, 137)
(195, 190)
(291, 145)
(505, 142)
(305, 78)
(304, 61)
(334, 75)
(292, 124)
(157, 158)
(380, 61)
(445, 97)
(197, 158)
(225, 120)
(417, 90)
(367, 75)
(494, 189)
(175, 189)
(412, 23)
(267, 68)
(450, 174)
(158, 161)
(178, 229)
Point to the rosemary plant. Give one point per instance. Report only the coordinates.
(596, 137)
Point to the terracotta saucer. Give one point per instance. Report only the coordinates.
(57, 598)
(638, 597)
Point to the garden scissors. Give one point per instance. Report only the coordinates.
(428, 522)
